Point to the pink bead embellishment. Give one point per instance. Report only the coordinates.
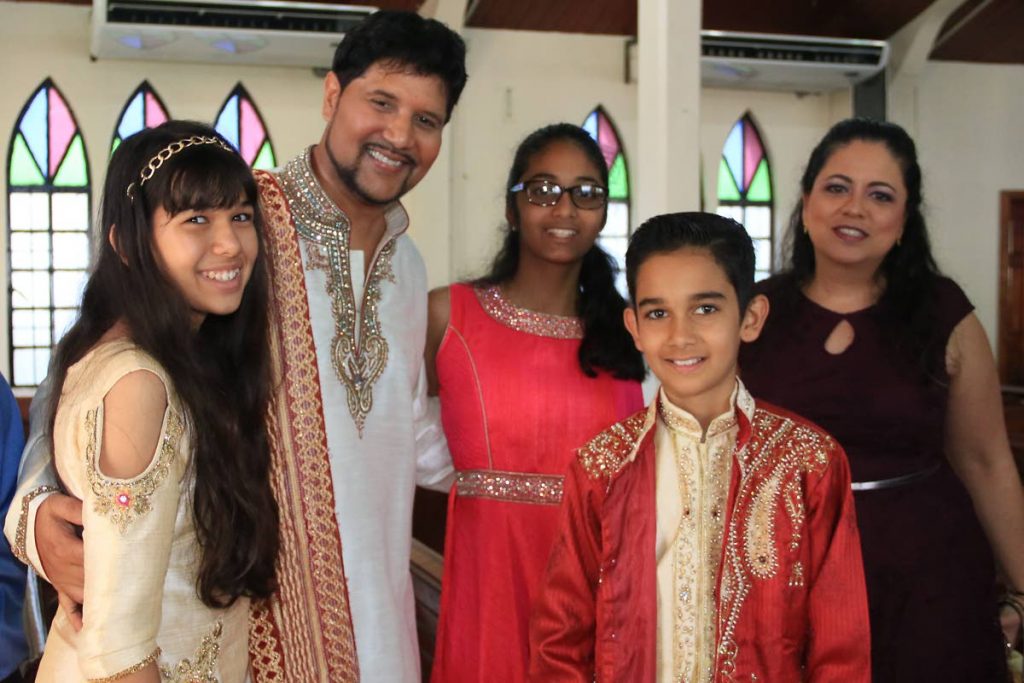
(123, 499)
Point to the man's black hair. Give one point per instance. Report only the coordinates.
(408, 41)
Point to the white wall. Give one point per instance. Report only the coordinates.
(970, 141)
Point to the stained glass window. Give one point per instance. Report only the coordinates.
(745, 189)
(615, 236)
(47, 222)
(144, 109)
(240, 122)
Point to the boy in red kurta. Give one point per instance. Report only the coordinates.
(710, 537)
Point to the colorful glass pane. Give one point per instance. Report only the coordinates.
(24, 170)
(607, 140)
(74, 170)
(760, 189)
(590, 125)
(62, 129)
(143, 110)
(241, 124)
(727, 190)
(34, 128)
(752, 154)
(618, 183)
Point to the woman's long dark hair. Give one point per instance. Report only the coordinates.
(908, 271)
(606, 344)
(220, 373)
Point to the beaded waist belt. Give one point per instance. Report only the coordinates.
(895, 481)
(513, 487)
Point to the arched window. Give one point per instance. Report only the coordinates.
(144, 109)
(745, 189)
(47, 224)
(240, 122)
(615, 236)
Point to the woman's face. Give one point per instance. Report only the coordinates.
(208, 255)
(856, 210)
(562, 233)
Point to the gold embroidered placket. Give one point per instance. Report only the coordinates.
(359, 351)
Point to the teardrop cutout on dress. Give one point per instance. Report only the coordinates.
(841, 338)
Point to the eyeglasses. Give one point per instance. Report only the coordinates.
(542, 192)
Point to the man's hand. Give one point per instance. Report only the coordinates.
(61, 551)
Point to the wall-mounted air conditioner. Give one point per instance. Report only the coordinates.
(222, 31)
(792, 63)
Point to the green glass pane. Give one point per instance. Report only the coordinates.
(760, 189)
(265, 159)
(727, 190)
(117, 143)
(72, 171)
(23, 167)
(618, 183)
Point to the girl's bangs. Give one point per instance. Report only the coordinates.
(206, 177)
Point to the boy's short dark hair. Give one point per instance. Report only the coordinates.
(727, 240)
(426, 46)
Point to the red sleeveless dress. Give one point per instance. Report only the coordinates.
(515, 406)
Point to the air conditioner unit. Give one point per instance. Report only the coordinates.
(222, 31)
(791, 63)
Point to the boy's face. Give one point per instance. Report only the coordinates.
(687, 323)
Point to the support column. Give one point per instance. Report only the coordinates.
(667, 167)
(911, 46)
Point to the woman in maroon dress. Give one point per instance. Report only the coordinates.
(867, 339)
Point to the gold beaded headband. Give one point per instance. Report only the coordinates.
(170, 150)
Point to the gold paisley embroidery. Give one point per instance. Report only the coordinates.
(130, 670)
(125, 501)
(775, 460)
(608, 452)
(359, 351)
(20, 548)
(202, 667)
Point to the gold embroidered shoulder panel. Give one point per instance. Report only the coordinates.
(359, 351)
(125, 500)
(608, 452)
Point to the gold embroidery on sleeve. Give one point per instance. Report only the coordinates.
(124, 501)
(130, 670)
(202, 668)
(19, 547)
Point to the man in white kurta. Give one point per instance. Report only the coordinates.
(352, 431)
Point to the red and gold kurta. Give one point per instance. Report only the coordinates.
(789, 604)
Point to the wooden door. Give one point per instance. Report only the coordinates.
(1011, 289)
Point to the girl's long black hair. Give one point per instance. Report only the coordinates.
(606, 344)
(220, 372)
(908, 271)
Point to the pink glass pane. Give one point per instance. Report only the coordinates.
(606, 139)
(252, 131)
(62, 128)
(752, 152)
(155, 114)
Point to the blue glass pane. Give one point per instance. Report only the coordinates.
(133, 120)
(227, 121)
(733, 154)
(590, 125)
(34, 128)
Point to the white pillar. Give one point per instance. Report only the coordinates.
(667, 165)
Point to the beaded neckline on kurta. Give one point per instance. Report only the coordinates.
(525, 320)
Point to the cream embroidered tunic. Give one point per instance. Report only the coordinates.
(692, 474)
(141, 603)
(383, 433)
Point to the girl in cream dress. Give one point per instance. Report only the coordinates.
(157, 421)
